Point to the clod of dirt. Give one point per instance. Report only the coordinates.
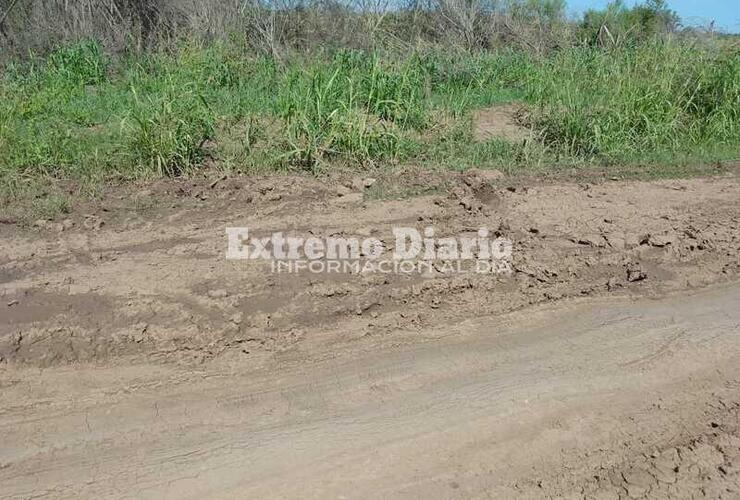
(661, 240)
(616, 242)
(160, 265)
(594, 240)
(138, 332)
(475, 177)
(636, 274)
(471, 204)
(360, 183)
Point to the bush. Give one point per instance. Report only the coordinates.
(628, 25)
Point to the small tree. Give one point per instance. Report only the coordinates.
(617, 24)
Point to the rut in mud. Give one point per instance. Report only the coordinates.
(117, 283)
(600, 399)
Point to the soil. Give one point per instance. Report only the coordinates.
(500, 121)
(136, 360)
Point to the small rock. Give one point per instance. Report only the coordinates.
(342, 190)
(237, 318)
(41, 223)
(368, 182)
(68, 224)
(274, 197)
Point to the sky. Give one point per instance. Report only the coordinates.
(725, 13)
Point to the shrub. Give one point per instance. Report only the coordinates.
(167, 132)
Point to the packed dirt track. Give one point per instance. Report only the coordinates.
(136, 361)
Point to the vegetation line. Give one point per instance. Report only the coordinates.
(647, 94)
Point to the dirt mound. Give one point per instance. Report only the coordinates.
(161, 289)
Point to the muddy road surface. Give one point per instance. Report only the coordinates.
(136, 361)
(624, 397)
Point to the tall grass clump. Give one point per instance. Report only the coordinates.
(48, 105)
(82, 63)
(354, 108)
(167, 132)
(625, 103)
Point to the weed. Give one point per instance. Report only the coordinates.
(82, 116)
(167, 132)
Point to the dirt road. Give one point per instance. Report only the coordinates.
(534, 404)
(136, 362)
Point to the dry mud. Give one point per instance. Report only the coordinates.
(135, 359)
(160, 288)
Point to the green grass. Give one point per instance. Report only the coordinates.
(79, 116)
